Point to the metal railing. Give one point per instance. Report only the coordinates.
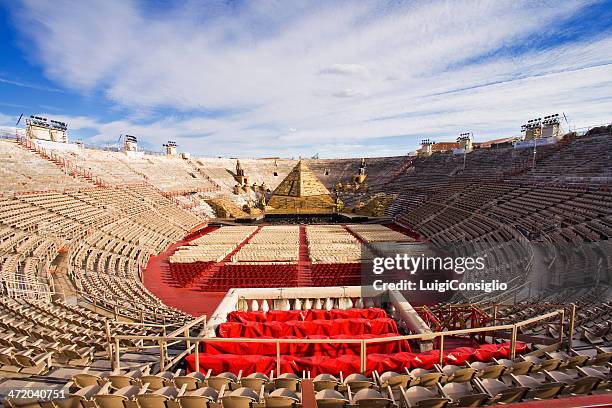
(158, 342)
(119, 311)
(25, 289)
(193, 343)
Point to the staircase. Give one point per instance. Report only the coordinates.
(202, 280)
(357, 237)
(147, 182)
(407, 163)
(65, 165)
(216, 187)
(304, 275)
(526, 167)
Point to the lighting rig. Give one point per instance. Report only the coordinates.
(53, 130)
(551, 120)
(47, 123)
(427, 142)
(426, 146)
(463, 140)
(130, 143)
(531, 126)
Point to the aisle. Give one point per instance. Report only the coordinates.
(304, 273)
(156, 278)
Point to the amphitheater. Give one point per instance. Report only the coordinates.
(134, 279)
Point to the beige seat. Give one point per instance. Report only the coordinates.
(23, 403)
(604, 376)
(325, 382)
(33, 364)
(574, 386)
(601, 358)
(85, 378)
(79, 399)
(569, 361)
(119, 381)
(289, 381)
(240, 398)
(74, 355)
(370, 398)
(537, 389)
(488, 370)
(218, 381)
(419, 396)
(159, 398)
(198, 398)
(7, 341)
(282, 398)
(394, 380)
(549, 364)
(520, 367)
(358, 382)
(500, 393)
(84, 342)
(426, 378)
(455, 373)
(463, 394)
(8, 361)
(191, 381)
(329, 398)
(157, 381)
(122, 398)
(594, 335)
(254, 381)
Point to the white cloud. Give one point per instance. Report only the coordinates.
(28, 85)
(320, 75)
(345, 69)
(348, 93)
(6, 119)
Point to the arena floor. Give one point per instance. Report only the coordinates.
(156, 279)
(196, 300)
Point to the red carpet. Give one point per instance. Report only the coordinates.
(156, 278)
(304, 273)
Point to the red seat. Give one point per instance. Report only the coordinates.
(321, 363)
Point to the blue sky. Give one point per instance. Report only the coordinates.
(343, 78)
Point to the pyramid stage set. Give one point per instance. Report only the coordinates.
(301, 198)
(301, 193)
(308, 218)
